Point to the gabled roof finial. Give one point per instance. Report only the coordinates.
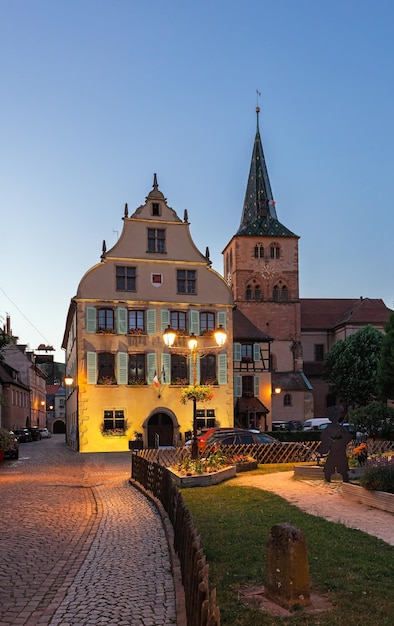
(155, 184)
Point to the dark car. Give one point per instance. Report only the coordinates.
(35, 433)
(23, 435)
(13, 453)
(297, 451)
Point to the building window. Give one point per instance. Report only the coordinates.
(247, 353)
(248, 293)
(179, 374)
(257, 293)
(208, 370)
(125, 278)
(275, 293)
(114, 423)
(106, 368)
(178, 321)
(136, 322)
(207, 323)
(156, 240)
(186, 281)
(319, 352)
(256, 252)
(248, 386)
(155, 209)
(137, 374)
(284, 295)
(287, 399)
(106, 320)
(275, 251)
(259, 252)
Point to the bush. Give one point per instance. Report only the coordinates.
(379, 478)
(6, 440)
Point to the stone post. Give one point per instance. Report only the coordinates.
(287, 570)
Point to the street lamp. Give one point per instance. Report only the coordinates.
(169, 337)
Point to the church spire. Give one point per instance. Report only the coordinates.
(259, 201)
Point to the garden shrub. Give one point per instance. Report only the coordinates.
(379, 478)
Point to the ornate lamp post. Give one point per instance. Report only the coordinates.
(169, 337)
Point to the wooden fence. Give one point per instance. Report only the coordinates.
(200, 601)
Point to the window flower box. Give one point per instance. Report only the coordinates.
(105, 331)
(136, 331)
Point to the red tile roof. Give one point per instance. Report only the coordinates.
(329, 313)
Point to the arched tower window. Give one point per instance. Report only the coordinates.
(248, 293)
(257, 293)
(275, 293)
(284, 295)
(275, 251)
(256, 252)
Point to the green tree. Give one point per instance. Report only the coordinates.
(386, 363)
(351, 367)
(376, 419)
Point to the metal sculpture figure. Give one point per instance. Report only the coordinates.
(334, 440)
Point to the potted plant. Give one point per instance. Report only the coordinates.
(6, 442)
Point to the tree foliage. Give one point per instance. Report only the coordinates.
(386, 364)
(375, 419)
(351, 367)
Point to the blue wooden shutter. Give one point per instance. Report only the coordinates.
(164, 319)
(222, 369)
(91, 319)
(165, 374)
(256, 352)
(122, 321)
(256, 382)
(222, 319)
(194, 322)
(151, 321)
(91, 368)
(237, 386)
(151, 366)
(122, 358)
(237, 351)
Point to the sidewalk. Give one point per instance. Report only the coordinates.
(323, 500)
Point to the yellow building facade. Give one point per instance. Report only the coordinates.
(126, 383)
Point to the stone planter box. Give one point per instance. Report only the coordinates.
(316, 471)
(376, 499)
(203, 480)
(246, 467)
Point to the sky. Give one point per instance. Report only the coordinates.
(96, 96)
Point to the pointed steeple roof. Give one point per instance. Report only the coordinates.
(259, 213)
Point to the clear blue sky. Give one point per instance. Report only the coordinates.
(96, 96)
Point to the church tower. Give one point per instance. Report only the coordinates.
(261, 267)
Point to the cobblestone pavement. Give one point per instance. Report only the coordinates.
(79, 546)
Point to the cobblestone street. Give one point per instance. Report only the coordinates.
(78, 545)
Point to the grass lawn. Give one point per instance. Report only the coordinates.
(355, 570)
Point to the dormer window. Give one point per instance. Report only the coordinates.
(155, 209)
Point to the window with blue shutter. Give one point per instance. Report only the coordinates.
(121, 364)
(164, 320)
(237, 386)
(151, 321)
(152, 366)
(222, 369)
(91, 319)
(222, 319)
(165, 374)
(194, 322)
(256, 352)
(237, 351)
(256, 382)
(91, 368)
(122, 321)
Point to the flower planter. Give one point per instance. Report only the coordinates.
(246, 467)
(375, 499)
(203, 480)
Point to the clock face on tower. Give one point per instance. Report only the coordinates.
(267, 271)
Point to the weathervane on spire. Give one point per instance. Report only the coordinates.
(258, 95)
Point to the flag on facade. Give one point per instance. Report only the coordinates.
(155, 380)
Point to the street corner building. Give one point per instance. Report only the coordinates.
(126, 383)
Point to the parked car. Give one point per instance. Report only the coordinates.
(202, 438)
(240, 436)
(14, 452)
(287, 425)
(315, 422)
(35, 433)
(23, 435)
(45, 434)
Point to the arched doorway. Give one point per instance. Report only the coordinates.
(58, 427)
(162, 425)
